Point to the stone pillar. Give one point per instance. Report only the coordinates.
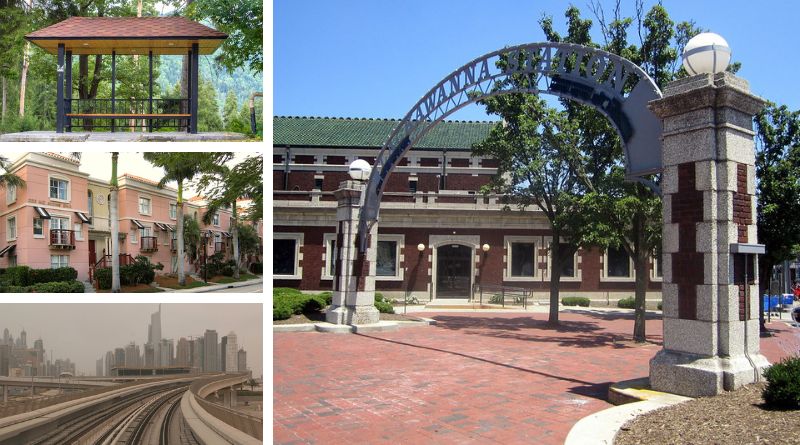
(226, 398)
(234, 398)
(354, 284)
(711, 331)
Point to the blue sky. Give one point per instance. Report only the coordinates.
(375, 59)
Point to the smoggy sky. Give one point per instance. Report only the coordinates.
(84, 332)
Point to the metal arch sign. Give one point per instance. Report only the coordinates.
(615, 86)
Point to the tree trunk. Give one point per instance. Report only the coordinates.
(235, 235)
(555, 276)
(640, 256)
(23, 78)
(115, 285)
(3, 112)
(181, 255)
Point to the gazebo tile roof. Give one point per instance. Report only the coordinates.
(371, 133)
(120, 28)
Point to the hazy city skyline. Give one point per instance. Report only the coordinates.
(84, 332)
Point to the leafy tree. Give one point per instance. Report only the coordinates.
(249, 241)
(8, 179)
(114, 216)
(231, 116)
(208, 118)
(243, 21)
(777, 189)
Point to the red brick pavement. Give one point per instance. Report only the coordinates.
(473, 378)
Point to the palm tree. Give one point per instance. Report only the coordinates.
(182, 168)
(114, 207)
(8, 179)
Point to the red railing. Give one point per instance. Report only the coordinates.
(149, 244)
(105, 261)
(62, 238)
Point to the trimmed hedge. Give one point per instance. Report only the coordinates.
(626, 303)
(783, 384)
(382, 304)
(25, 276)
(575, 301)
(56, 287)
(142, 271)
(287, 301)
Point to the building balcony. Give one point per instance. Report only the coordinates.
(62, 239)
(148, 244)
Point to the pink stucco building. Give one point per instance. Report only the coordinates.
(62, 218)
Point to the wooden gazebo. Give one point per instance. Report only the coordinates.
(144, 36)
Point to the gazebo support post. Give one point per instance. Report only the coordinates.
(68, 102)
(113, 89)
(193, 83)
(150, 91)
(60, 89)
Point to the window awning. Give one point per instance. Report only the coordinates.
(227, 234)
(161, 227)
(84, 219)
(8, 249)
(42, 212)
(171, 228)
(137, 224)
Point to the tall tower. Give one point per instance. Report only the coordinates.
(154, 336)
(242, 360)
(6, 336)
(23, 339)
(210, 346)
(231, 354)
(183, 352)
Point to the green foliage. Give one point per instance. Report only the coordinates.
(216, 265)
(17, 276)
(287, 301)
(783, 384)
(51, 275)
(257, 268)
(575, 301)
(232, 117)
(626, 303)
(382, 304)
(61, 287)
(243, 21)
(103, 277)
(496, 299)
(208, 118)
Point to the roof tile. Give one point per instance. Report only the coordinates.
(127, 27)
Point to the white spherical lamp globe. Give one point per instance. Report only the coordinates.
(706, 53)
(360, 169)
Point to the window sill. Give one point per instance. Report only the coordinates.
(287, 277)
(618, 279)
(532, 278)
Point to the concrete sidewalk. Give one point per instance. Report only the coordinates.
(213, 287)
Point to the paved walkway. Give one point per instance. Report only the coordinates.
(478, 377)
(120, 136)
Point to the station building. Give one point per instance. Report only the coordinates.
(432, 201)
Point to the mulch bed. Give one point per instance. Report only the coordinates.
(130, 289)
(317, 317)
(171, 282)
(737, 417)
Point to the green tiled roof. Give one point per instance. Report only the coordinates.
(372, 133)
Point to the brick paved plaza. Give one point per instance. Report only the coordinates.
(472, 378)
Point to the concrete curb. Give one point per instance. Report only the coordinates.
(602, 427)
(214, 287)
(381, 326)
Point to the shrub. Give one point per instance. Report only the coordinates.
(18, 276)
(103, 277)
(8, 289)
(52, 275)
(328, 296)
(61, 287)
(575, 301)
(382, 304)
(287, 301)
(257, 268)
(626, 303)
(783, 384)
(660, 306)
(141, 271)
(496, 299)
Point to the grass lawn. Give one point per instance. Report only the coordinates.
(138, 289)
(221, 279)
(172, 282)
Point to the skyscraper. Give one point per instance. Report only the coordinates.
(230, 351)
(132, 355)
(154, 337)
(223, 342)
(5, 356)
(166, 352)
(183, 352)
(119, 357)
(109, 362)
(149, 355)
(210, 356)
(23, 339)
(198, 352)
(242, 360)
(5, 336)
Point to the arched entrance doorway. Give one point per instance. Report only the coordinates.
(454, 271)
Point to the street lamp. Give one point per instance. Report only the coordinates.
(706, 53)
(359, 170)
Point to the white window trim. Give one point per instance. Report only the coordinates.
(78, 230)
(298, 256)
(11, 194)
(53, 215)
(399, 269)
(654, 265)
(327, 256)
(59, 263)
(8, 228)
(176, 210)
(604, 270)
(215, 219)
(507, 242)
(133, 235)
(60, 178)
(576, 263)
(32, 227)
(139, 204)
